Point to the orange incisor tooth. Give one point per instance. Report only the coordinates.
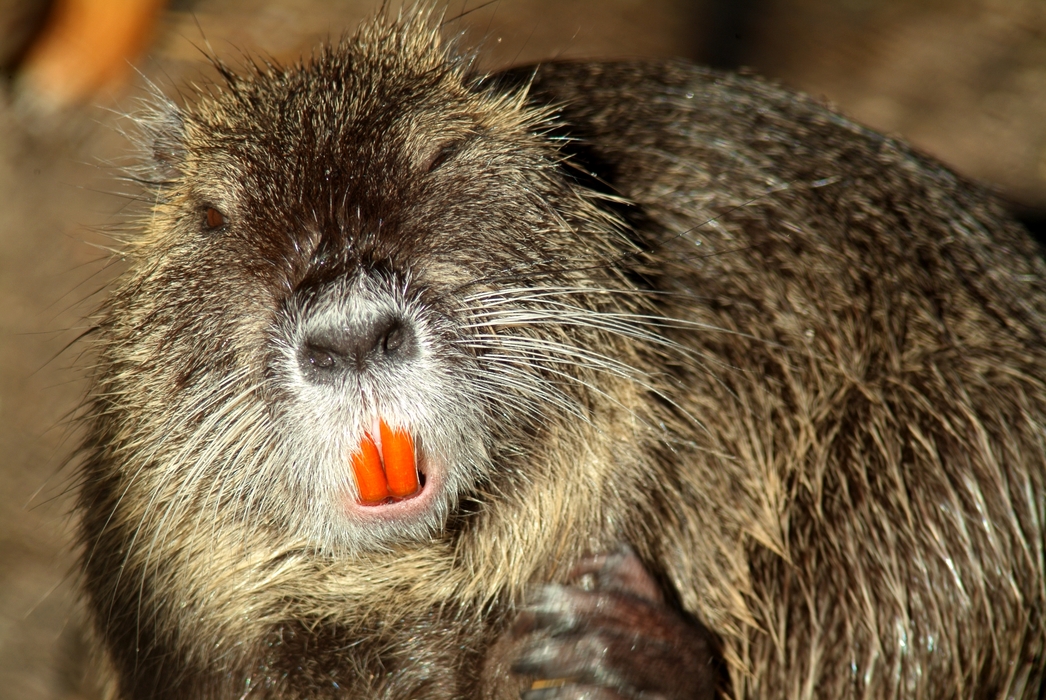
(401, 469)
(370, 477)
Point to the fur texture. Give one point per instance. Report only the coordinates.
(797, 367)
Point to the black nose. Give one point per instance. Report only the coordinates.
(357, 345)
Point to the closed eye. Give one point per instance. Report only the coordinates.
(441, 156)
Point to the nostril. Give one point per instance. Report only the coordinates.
(394, 338)
(318, 357)
(358, 345)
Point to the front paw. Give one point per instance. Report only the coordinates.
(608, 635)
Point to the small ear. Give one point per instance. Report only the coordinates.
(160, 127)
(168, 143)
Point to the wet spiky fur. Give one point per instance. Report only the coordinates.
(797, 367)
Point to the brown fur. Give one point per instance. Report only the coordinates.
(801, 372)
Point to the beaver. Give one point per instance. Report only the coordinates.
(617, 380)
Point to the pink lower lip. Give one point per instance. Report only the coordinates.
(397, 499)
(415, 506)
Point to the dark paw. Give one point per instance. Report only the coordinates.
(609, 636)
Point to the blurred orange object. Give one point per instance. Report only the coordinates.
(86, 46)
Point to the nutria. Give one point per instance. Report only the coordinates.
(609, 380)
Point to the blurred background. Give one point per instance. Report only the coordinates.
(964, 80)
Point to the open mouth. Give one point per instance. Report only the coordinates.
(385, 466)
